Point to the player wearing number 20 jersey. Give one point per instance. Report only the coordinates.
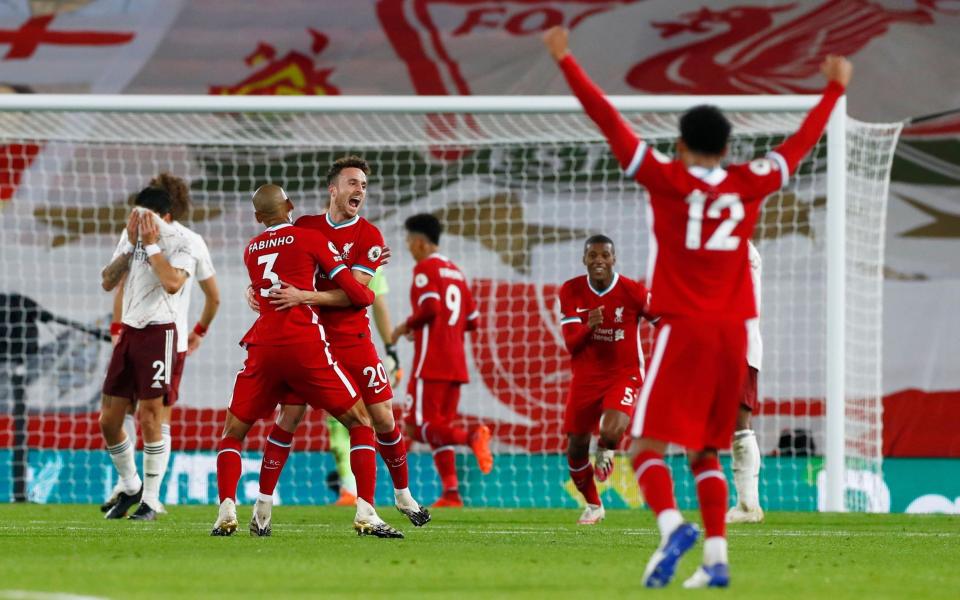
(443, 311)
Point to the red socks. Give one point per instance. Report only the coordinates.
(712, 495)
(582, 476)
(654, 480)
(444, 458)
(363, 461)
(274, 457)
(229, 467)
(394, 452)
(438, 433)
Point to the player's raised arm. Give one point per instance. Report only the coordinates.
(837, 70)
(621, 137)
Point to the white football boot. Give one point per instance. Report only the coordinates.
(592, 514)
(226, 519)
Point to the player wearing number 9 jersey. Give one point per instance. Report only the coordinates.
(700, 216)
(443, 311)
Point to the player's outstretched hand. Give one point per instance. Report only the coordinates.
(385, 255)
(837, 68)
(556, 41)
(251, 299)
(286, 296)
(133, 226)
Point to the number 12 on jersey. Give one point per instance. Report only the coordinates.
(721, 238)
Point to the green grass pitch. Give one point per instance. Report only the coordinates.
(472, 553)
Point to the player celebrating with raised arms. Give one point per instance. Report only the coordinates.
(700, 216)
(443, 311)
(600, 318)
(287, 352)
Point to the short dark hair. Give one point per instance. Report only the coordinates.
(426, 225)
(705, 129)
(347, 162)
(598, 239)
(154, 198)
(177, 189)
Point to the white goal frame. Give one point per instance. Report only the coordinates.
(836, 298)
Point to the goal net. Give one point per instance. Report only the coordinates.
(518, 190)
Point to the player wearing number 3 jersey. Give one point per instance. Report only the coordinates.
(700, 216)
(443, 311)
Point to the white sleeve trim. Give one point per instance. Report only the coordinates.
(472, 315)
(637, 159)
(569, 320)
(428, 295)
(782, 163)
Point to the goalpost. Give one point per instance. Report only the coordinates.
(519, 182)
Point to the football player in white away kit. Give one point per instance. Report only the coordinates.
(187, 341)
(746, 451)
(156, 261)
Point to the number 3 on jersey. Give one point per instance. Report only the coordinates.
(268, 260)
(721, 238)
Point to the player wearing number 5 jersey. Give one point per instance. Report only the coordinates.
(600, 319)
(443, 311)
(700, 216)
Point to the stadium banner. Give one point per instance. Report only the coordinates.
(910, 485)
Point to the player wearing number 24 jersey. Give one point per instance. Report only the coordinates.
(443, 311)
(700, 216)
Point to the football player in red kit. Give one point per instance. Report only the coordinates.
(600, 318)
(700, 216)
(443, 311)
(287, 352)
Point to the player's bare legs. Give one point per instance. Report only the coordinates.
(581, 473)
(393, 450)
(613, 424)
(229, 468)
(121, 449)
(676, 536)
(713, 497)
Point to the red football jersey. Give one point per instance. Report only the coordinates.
(700, 220)
(361, 247)
(292, 255)
(612, 349)
(444, 310)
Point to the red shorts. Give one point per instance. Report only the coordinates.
(362, 364)
(142, 363)
(272, 372)
(748, 398)
(693, 387)
(586, 403)
(431, 401)
(173, 394)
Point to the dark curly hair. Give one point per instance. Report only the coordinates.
(347, 162)
(705, 129)
(179, 193)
